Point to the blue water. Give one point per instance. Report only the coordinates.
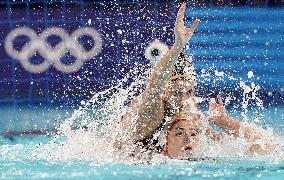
(16, 162)
(182, 170)
(217, 169)
(21, 167)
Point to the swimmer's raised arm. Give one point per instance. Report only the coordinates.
(261, 141)
(151, 108)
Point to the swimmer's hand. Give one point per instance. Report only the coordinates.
(219, 116)
(182, 33)
(261, 141)
(217, 111)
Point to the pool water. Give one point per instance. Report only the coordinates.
(18, 160)
(15, 164)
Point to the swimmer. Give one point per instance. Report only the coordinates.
(169, 94)
(151, 106)
(183, 133)
(171, 83)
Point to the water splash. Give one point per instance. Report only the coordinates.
(91, 133)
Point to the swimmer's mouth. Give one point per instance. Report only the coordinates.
(187, 152)
(188, 149)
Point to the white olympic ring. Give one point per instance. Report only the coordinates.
(52, 55)
(155, 51)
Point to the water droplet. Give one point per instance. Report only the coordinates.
(250, 74)
(119, 31)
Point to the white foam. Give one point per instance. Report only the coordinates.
(91, 132)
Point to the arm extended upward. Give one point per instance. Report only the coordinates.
(150, 107)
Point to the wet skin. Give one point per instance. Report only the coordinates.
(183, 135)
(183, 138)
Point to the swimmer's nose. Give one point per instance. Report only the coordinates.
(186, 139)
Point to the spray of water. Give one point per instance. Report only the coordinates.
(91, 132)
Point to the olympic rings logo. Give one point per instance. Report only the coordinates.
(52, 55)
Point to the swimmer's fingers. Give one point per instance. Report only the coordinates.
(180, 15)
(212, 103)
(189, 31)
(219, 100)
(221, 106)
(195, 24)
(213, 109)
(220, 103)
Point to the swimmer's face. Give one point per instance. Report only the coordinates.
(178, 91)
(183, 139)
